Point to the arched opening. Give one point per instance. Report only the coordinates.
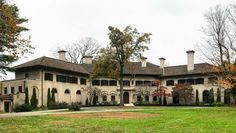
(227, 93)
(67, 91)
(54, 90)
(205, 96)
(126, 97)
(175, 97)
(78, 92)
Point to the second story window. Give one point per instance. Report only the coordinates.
(83, 81)
(26, 75)
(5, 90)
(190, 81)
(126, 83)
(181, 81)
(20, 88)
(12, 90)
(138, 83)
(170, 83)
(48, 76)
(104, 82)
(96, 82)
(199, 81)
(112, 83)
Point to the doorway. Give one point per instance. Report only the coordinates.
(126, 97)
(6, 106)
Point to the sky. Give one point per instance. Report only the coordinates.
(175, 24)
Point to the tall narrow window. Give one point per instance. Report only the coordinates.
(20, 88)
(12, 90)
(5, 90)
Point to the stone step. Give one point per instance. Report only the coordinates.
(129, 105)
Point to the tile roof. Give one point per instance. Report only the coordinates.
(53, 63)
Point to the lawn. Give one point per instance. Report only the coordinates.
(156, 119)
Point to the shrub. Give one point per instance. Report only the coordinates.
(59, 105)
(75, 106)
(23, 108)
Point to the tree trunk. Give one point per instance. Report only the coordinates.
(121, 85)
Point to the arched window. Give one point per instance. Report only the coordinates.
(78, 92)
(67, 91)
(205, 96)
(54, 90)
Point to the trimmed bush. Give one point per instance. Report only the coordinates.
(59, 105)
(75, 106)
(23, 108)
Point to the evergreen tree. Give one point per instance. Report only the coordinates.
(218, 100)
(197, 97)
(48, 97)
(211, 96)
(34, 100)
(26, 96)
(160, 100)
(53, 96)
(164, 100)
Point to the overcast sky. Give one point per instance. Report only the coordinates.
(175, 24)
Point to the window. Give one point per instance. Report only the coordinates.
(12, 90)
(212, 79)
(146, 98)
(113, 83)
(190, 81)
(48, 76)
(78, 92)
(138, 83)
(126, 83)
(96, 82)
(5, 90)
(67, 91)
(104, 82)
(199, 81)
(139, 99)
(113, 98)
(54, 90)
(20, 88)
(170, 83)
(181, 81)
(154, 98)
(67, 79)
(104, 98)
(26, 75)
(83, 81)
(147, 83)
(61, 78)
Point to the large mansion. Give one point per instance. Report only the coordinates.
(71, 81)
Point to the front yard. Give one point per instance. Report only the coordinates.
(141, 119)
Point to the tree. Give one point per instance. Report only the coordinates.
(160, 92)
(48, 98)
(93, 93)
(53, 100)
(164, 99)
(26, 96)
(184, 91)
(211, 96)
(124, 45)
(218, 100)
(87, 46)
(197, 97)
(34, 100)
(220, 42)
(12, 43)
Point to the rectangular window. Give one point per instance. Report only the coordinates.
(104, 82)
(181, 81)
(190, 81)
(138, 83)
(113, 98)
(12, 90)
(126, 83)
(61, 78)
(5, 90)
(96, 82)
(199, 81)
(113, 83)
(170, 83)
(48, 76)
(26, 75)
(139, 99)
(147, 83)
(104, 98)
(20, 88)
(83, 81)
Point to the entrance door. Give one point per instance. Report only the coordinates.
(126, 98)
(7, 106)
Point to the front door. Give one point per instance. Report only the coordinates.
(126, 98)
(7, 106)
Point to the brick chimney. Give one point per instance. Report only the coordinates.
(190, 60)
(88, 59)
(62, 55)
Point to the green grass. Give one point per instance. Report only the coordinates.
(171, 119)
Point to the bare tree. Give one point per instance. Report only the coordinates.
(77, 50)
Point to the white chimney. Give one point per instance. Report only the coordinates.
(190, 60)
(62, 55)
(144, 62)
(88, 59)
(162, 62)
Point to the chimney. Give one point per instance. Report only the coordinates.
(162, 62)
(144, 62)
(190, 60)
(88, 59)
(62, 55)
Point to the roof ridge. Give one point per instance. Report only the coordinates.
(187, 64)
